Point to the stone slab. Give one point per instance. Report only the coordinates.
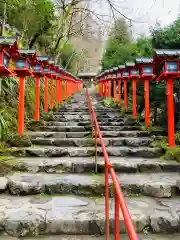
(53, 151)
(87, 164)
(70, 215)
(150, 184)
(86, 142)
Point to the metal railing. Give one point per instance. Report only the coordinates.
(120, 202)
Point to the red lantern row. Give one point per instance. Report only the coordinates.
(164, 66)
(23, 63)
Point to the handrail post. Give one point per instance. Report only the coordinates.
(96, 142)
(107, 199)
(116, 218)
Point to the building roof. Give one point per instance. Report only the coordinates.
(167, 52)
(86, 74)
(121, 66)
(7, 40)
(144, 60)
(42, 58)
(130, 64)
(27, 52)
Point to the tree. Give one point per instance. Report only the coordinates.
(118, 46)
(168, 37)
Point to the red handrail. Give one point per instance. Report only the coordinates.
(119, 198)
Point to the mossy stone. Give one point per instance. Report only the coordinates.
(17, 140)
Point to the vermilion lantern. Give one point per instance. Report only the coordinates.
(114, 74)
(167, 67)
(108, 83)
(119, 85)
(146, 69)
(8, 47)
(37, 71)
(53, 76)
(23, 62)
(124, 76)
(45, 72)
(22, 68)
(134, 76)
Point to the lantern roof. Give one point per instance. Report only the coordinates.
(42, 58)
(143, 60)
(51, 62)
(167, 52)
(130, 64)
(7, 41)
(115, 69)
(121, 67)
(27, 52)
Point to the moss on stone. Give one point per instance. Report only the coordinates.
(172, 153)
(16, 140)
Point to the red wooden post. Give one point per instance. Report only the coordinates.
(114, 90)
(57, 91)
(110, 88)
(134, 97)
(170, 103)
(60, 91)
(125, 95)
(146, 95)
(37, 99)
(45, 94)
(52, 93)
(119, 91)
(116, 218)
(21, 105)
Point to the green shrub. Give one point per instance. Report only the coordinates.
(3, 127)
(172, 153)
(177, 137)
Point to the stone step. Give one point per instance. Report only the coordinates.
(88, 128)
(105, 134)
(53, 151)
(87, 164)
(70, 118)
(59, 134)
(159, 185)
(85, 110)
(71, 113)
(71, 123)
(86, 142)
(66, 128)
(146, 236)
(71, 215)
(120, 128)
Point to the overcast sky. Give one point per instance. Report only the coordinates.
(146, 11)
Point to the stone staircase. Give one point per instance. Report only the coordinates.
(53, 189)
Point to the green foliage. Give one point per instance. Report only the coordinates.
(31, 18)
(177, 137)
(118, 45)
(3, 127)
(167, 37)
(173, 154)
